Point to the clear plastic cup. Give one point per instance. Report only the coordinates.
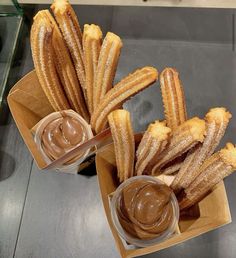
(115, 200)
(66, 168)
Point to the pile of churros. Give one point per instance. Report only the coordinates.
(76, 69)
(181, 146)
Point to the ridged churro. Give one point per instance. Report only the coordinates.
(123, 137)
(213, 170)
(217, 120)
(152, 144)
(126, 88)
(43, 57)
(69, 25)
(173, 166)
(92, 40)
(65, 69)
(173, 98)
(184, 137)
(106, 68)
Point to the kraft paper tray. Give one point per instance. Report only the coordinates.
(212, 212)
(28, 105)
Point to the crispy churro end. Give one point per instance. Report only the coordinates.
(218, 115)
(121, 113)
(37, 16)
(159, 130)
(44, 18)
(42, 21)
(93, 31)
(197, 128)
(42, 14)
(228, 154)
(152, 71)
(114, 38)
(169, 69)
(60, 6)
(167, 72)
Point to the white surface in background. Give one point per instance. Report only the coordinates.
(171, 3)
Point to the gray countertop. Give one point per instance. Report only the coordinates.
(55, 215)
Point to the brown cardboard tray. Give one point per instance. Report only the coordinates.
(28, 105)
(212, 212)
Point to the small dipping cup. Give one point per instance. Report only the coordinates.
(115, 203)
(73, 167)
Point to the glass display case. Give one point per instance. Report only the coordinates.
(11, 16)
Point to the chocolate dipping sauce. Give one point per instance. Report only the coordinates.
(144, 209)
(61, 135)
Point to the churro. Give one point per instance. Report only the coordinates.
(173, 98)
(70, 28)
(152, 144)
(184, 137)
(106, 68)
(126, 88)
(213, 170)
(174, 166)
(43, 57)
(123, 137)
(217, 120)
(65, 69)
(92, 40)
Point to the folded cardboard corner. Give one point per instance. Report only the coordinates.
(28, 105)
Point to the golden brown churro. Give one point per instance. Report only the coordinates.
(173, 98)
(43, 57)
(173, 166)
(107, 64)
(65, 69)
(184, 137)
(213, 170)
(217, 120)
(92, 40)
(123, 137)
(126, 88)
(152, 144)
(69, 25)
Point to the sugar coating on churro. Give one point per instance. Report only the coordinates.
(93, 31)
(216, 123)
(218, 115)
(173, 98)
(183, 139)
(152, 144)
(65, 68)
(123, 137)
(70, 28)
(115, 97)
(60, 5)
(196, 126)
(113, 38)
(107, 65)
(228, 154)
(43, 57)
(159, 130)
(92, 41)
(218, 166)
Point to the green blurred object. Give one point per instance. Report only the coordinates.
(11, 17)
(10, 8)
